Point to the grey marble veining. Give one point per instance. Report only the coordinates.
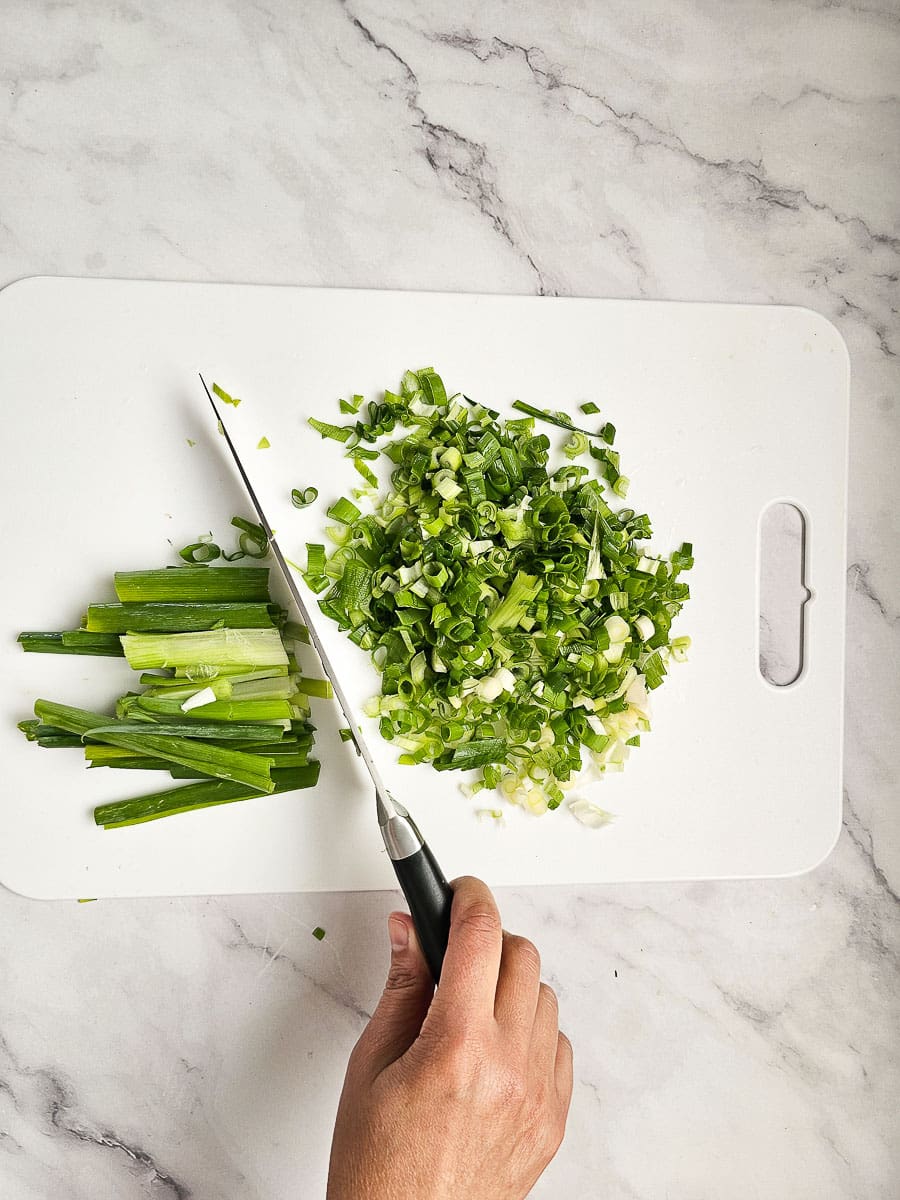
(733, 1040)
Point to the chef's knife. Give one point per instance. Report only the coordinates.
(426, 890)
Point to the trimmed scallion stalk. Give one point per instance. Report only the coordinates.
(72, 641)
(211, 759)
(211, 585)
(185, 617)
(217, 731)
(204, 794)
(227, 718)
(220, 710)
(48, 736)
(224, 647)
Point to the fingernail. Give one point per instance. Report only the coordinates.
(398, 931)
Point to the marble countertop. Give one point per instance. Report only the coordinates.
(733, 1041)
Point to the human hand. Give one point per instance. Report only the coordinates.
(462, 1093)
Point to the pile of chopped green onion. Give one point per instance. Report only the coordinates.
(513, 608)
(222, 699)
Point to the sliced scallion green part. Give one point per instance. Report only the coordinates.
(343, 510)
(315, 560)
(224, 397)
(302, 498)
(559, 419)
(339, 433)
(200, 552)
(296, 632)
(253, 540)
(315, 687)
(576, 445)
(366, 471)
(473, 754)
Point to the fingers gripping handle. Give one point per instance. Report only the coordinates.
(429, 897)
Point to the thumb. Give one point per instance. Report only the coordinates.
(398, 1018)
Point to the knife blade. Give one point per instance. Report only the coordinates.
(422, 881)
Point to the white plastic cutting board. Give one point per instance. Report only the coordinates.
(720, 410)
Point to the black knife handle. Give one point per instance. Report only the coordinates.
(429, 897)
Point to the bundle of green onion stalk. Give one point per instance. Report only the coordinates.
(223, 702)
(515, 613)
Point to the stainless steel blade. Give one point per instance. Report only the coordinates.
(381, 791)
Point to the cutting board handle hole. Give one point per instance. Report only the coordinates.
(783, 593)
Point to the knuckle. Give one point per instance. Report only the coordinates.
(458, 1046)
(526, 954)
(401, 978)
(358, 1061)
(458, 1051)
(480, 918)
(542, 1132)
(459, 1061)
(511, 1087)
(548, 1001)
(565, 1058)
(555, 1131)
(431, 1041)
(472, 1074)
(465, 887)
(548, 1124)
(496, 1087)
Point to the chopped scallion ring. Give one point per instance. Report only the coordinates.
(303, 499)
(200, 552)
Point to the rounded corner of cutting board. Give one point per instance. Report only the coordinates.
(26, 283)
(821, 327)
(816, 853)
(24, 886)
